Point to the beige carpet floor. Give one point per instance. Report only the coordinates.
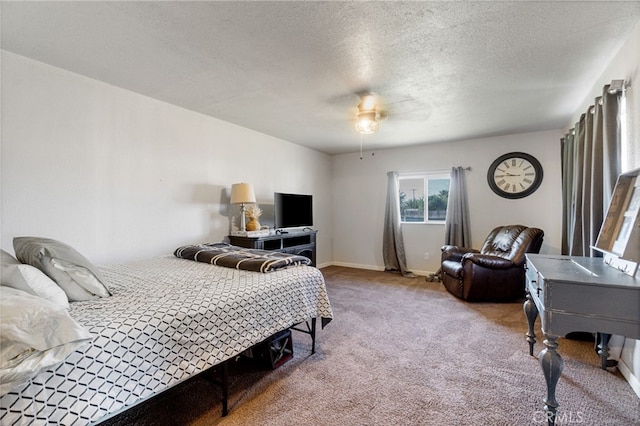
(403, 351)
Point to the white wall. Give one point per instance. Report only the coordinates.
(121, 176)
(359, 194)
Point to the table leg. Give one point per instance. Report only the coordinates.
(603, 350)
(552, 366)
(531, 311)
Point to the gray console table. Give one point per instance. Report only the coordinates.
(302, 243)
(577, 294)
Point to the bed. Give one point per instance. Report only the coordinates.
(166, 320)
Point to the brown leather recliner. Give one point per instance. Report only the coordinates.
(494, 273)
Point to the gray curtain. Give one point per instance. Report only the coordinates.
(392, 242)
(457, 231)
(590, 166)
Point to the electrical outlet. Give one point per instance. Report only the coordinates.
(426, 256)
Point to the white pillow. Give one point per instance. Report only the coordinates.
(35, 334)
(73, 272)
(33, 281)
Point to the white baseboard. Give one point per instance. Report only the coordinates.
(634, 382)
(422, 273)
(357, 266)
(369, 267)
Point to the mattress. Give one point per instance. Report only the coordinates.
(168, 319)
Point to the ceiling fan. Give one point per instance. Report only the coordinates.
(372, 109)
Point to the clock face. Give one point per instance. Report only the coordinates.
(515, 175)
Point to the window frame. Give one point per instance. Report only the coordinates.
(426, 177)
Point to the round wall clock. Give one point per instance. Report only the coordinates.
(515, 175)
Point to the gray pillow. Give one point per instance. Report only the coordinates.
(7, 259)
(73, 272)
(27, 278)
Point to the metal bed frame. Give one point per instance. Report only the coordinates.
(223, 379)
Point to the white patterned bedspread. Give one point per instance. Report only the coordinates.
(168, 319)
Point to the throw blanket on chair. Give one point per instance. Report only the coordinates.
(223, 254)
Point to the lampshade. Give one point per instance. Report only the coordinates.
(242, 193)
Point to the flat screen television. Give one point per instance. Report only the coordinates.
(293, 210)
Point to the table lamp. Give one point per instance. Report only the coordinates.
(242, 193)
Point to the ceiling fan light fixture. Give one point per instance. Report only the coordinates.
(367, 103)
(367, 123)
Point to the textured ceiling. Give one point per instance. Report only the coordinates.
(447, 70)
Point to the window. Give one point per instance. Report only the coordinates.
(413, 188)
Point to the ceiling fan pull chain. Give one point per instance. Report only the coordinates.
(361, 136)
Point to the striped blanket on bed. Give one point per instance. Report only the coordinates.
(223, 254)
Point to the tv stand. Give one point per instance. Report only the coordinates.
(300, 243)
